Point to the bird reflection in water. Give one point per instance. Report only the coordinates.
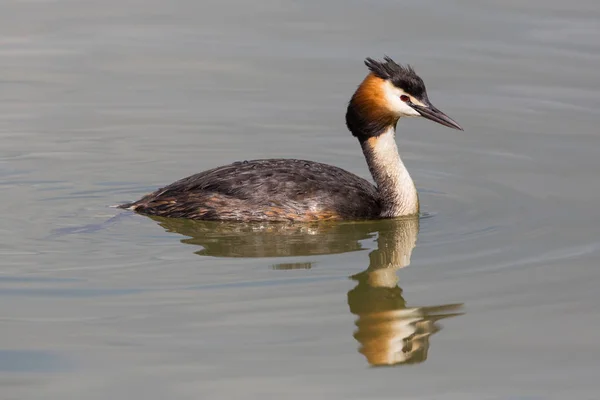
(389, 331)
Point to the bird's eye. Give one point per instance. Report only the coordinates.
(405, 98)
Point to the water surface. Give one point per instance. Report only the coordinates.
(494, 296)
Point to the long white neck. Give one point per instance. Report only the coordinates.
(398, 192)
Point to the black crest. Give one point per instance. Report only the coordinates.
(404, 78)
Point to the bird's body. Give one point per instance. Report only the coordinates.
(305, 191)
(266, 190)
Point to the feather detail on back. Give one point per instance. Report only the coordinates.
(266, 190)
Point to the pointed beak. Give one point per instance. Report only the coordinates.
(432, 113)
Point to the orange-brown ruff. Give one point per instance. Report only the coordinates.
(305, 191)
(370, 99)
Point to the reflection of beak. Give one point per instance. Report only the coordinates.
(432, 113)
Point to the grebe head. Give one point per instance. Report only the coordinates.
(389, 92)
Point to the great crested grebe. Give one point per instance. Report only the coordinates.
(298, 190)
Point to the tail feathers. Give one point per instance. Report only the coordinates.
(126, 206)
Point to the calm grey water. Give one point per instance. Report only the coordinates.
(103, 101)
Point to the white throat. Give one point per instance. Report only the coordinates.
(398, 192)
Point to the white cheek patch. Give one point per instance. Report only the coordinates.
(397, 106)
(407, 111)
